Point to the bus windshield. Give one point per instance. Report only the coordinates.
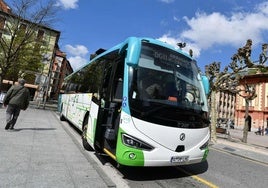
(166, 88)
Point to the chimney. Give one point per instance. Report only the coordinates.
(4, 7)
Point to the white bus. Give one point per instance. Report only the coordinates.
(142, 102)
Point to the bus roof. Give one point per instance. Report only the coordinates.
(101, 52)
(151, 40)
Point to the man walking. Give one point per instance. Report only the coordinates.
(17, 98)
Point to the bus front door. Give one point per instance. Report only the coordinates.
(109, 119)
(110, 110)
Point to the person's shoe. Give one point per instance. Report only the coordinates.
(11, 128)
(7, 126)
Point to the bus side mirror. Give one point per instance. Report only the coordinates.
(133, 48)
(205, 84)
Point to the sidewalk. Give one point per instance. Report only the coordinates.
(255, 149)
(41, 153)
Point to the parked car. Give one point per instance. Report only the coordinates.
(231, 123)
(224, 122)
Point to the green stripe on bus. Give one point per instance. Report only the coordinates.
(82, 108)
(205, 154)
(91, 136)
(94, 128)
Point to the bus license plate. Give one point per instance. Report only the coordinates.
(179, 159)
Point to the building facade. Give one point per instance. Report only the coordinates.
(258, 107)
(60, 69)
(55, 66)
(225, 105)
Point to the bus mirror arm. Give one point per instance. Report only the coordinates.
(133, 46)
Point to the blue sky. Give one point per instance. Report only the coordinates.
(214, 29)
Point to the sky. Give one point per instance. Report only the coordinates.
(213, 29)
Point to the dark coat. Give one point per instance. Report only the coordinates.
(19, 96)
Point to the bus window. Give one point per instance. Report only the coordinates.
(117, 87)
(118, 91)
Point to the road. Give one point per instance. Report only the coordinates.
(226, 170)
(221, 169)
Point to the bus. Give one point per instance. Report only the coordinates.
(143, 102)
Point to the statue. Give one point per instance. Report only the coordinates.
(191, 52)
(245, 53)
(263, 56)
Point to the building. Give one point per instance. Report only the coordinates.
(258, 107)
(55, 65)
(60, 69)
(233, 106)
(225, 106)
(4, 7)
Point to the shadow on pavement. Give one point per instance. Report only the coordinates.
(158, 173)
(33, 129)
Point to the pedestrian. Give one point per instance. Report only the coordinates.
(16, 99)
(259, 131)
(262, 130)
(266, 130)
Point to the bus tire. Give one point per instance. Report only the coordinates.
(84, 138)
(62, 118)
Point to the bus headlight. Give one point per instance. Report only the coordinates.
(204, 146)
(135, 143)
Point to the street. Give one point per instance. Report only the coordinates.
(48, 153)
(226, 170)
(221, 170)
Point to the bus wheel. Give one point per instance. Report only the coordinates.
(84, 136)
(62, 118)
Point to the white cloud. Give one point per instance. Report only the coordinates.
(176, 19)
(263, 7)
(167, 1)
(68, 4)
(173, 41)
(78, 50)
(77, 61)
(77, 54)
(207, 30)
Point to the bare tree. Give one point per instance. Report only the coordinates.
(20, 48)
(229, 81)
